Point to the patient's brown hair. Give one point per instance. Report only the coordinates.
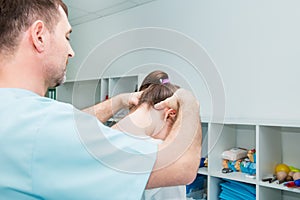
(156, 87)
(154, 77)
(156, 93)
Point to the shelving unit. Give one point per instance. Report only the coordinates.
(273, 144)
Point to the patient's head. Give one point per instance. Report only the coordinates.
(143, 118)
(157, 87)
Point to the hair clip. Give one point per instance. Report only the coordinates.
(164, 81)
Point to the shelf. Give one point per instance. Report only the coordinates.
(236, 176)
(279, 187)
(203, 171)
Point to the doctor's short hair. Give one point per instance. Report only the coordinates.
(16, 16)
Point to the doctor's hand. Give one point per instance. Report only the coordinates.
(180, 97)
(130, 99)
(106, 109)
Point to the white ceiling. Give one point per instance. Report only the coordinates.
(83, 11)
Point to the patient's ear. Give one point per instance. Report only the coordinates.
(171, 115)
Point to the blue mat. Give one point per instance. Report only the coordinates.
(233, 190)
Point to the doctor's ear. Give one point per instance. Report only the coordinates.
(37, 33)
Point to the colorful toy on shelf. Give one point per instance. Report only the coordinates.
(227, 167)
(234, 154)
(233, 165)
(252, 155)
(284, 173)
(204, 162)
(295, 183)
(244, 165)
(296, 176)
(282, 167)
(270, 179)
(248, 167)
(281, 176)
(290, 176)
(281, 171)
(295, 180)
(294, 169)
(225, 163)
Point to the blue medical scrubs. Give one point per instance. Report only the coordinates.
(50, 150)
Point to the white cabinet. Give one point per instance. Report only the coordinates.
(273, 144)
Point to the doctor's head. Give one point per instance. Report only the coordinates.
(34, 35)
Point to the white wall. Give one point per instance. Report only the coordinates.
(254, 44)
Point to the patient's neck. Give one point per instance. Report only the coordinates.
(141, 122)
